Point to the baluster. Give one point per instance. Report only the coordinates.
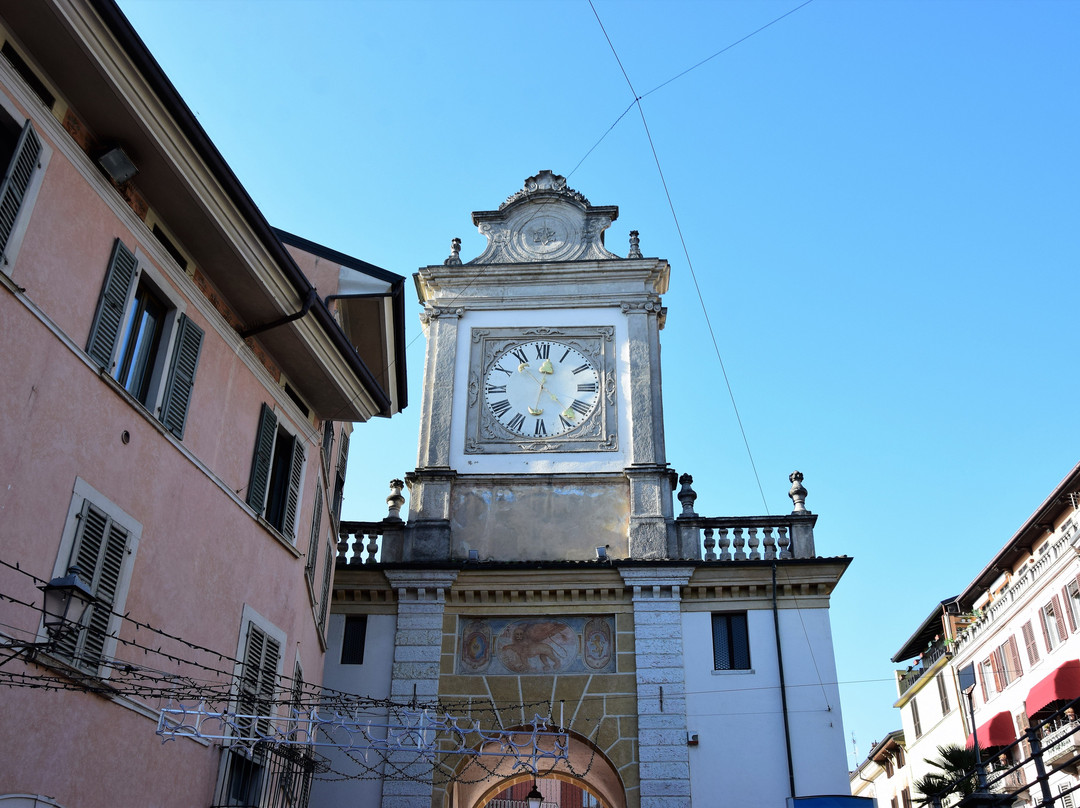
(343, 546)
(710, 543)
(770, 544)
(739, 544)
(754, 542)
(372, 546)
(724, 542)
(783, 543)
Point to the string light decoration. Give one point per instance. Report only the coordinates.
(376, 738)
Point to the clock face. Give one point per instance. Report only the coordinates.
(541, 389)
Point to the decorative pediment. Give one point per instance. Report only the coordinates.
(545, 221)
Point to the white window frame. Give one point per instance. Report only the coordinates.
(26, 208)
(82, 492)
(252, 617)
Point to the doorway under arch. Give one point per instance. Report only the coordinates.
(479, 778)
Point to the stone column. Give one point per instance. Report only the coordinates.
(421, 600)
(663, 757)
(428, 534)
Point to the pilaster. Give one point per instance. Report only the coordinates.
(421, 600)
(663, 755)
(438, 391)
(652, 526)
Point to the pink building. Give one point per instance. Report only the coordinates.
(179, 383)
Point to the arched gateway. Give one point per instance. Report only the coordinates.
(482, 777)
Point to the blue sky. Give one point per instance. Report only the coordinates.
(878, 199)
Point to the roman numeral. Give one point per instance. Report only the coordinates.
(587, 387)
(517, 422)
(566, 423)
(495, 388)
(579, 407)
(542, 350)
(540, 430)
(561, 358)
(503, 370)
(580, 369)
(500, 407)
(520, 354)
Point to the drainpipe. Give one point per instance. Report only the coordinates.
(783, 686)
(309, 301)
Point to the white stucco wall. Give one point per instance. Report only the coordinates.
(372, 678)
(741, 758)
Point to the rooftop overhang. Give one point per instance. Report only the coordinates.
(930, 628)
(1036, 527)
(114, 85)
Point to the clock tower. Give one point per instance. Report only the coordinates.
(541, 433)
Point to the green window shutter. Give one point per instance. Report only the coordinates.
(258, 680)
(343, 456)
(260, 464)
(324, 601)
(316, 527)
(17, 180)
(292, 502)
(119, 278)
(99, 550)
(185, 360)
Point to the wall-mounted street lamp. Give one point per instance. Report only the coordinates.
(66, 599)
(118, 165)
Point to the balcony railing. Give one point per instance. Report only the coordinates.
(931, 655)
(360, 543)
(1061, 743)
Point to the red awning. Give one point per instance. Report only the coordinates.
(998, 731)
(1063, 683)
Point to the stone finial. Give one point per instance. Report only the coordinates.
(797, 492)
(635, 245)
(687, 495)
(395, 500)
(455, 254)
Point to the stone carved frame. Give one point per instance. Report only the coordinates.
(598, 433)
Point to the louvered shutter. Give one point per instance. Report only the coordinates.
(324, 601)
(119, 278)
(1012, 659)
(1029, 642)
(1065, 599)
(997, 663)
(982, 681)
(17, 179)
(185, 360)
(99, 550)
(1045, 629)
(292, 501)
(1059, 618)
(343, 455)
(316, 528)
(257, 682)
(260, 463)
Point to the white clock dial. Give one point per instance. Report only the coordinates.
(541, 389)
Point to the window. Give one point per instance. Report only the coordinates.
(894, 802)
(313, 542)
(327, 443)
(352, 641)
(886, 763)
(276, 473)
(339, 482)
(899, 758)
(33, 81)
(243, 779)
(1029, 642)
(100, 539)
(1009, 661)
(1053, 624)
(1071, 594)
(130, 338)
(731, 642)
(915, 722)
(943, 694)
(21, 156)
(905, 797)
